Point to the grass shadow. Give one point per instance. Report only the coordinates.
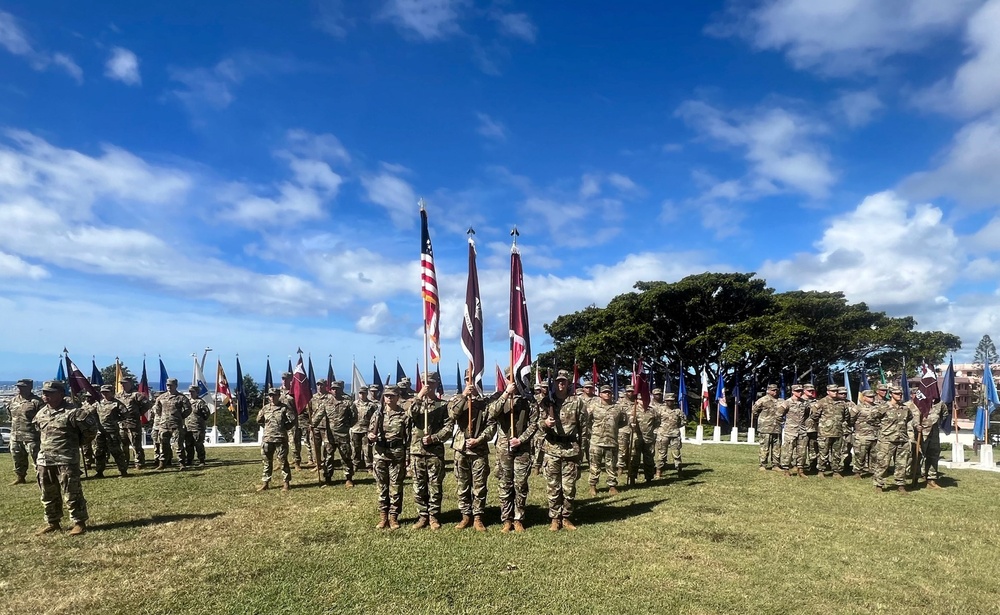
(154, 520)
(606, 510)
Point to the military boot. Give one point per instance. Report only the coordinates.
(298, 465)
(838, 475)
(421, 523)
(592, 490)
(802, 473)
(47, 528)
(613, 490)
(878, 489)
(393, 522)
(348, 483)
(477, 524)
(518, 526)
(932, 484)
(18, 481)
(568, 525)
(383, 521)
(507, 527)
(787, 473)
(659, 474)
(464, 523)
(123, 473)
(80, 527)
(435, 524)
(263, 486)
(159, 466)
(286, 486)
(902, 490)
(555, 525)
(99, 474)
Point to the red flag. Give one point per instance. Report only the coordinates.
(501, 381)
(593, 373)
(429, 290)
(222, 386)
(301, 392)
(576, 377)
(640, 384)
(79, 383)
(472, 329)
(520, 343)
(927, 392)
(420, 379)
(144, 391)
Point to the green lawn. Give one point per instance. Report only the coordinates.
(726, 538)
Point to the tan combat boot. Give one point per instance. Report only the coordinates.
(263, 486)
(383, 521)
(932, 484)
(613, 490)
(47, 528)
(464, 523)
(393, 522)
(518, 526)
(421, 523)
(18, 481)
(902, 490)
(554, 526)
(507, 527)
(477, 524)
(298, 465)
(592, 491)
(286, 486)
(659, 474)
(348, 483)
(435, 524)
(568, 525)
(80, 527)
(878, 489)
(802, 473)
(838, 475)
(159, 466)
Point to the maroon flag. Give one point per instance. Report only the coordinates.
(640, 384)
(501, 380)
(520, 343)
(927, 392)
(78, 383)
(144, 391)
(472, 329)
(593, 374)
(429, 290)
(301, 392)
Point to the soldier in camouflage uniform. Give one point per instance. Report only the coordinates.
(865, 424)
(194, 427)
(766, 411)
(516, 416)
(277, 419)
(668, 435)
(173, 408)
(538, 444)
(794, 411)
(930, 441)
(432, 426)
(831, 414)
(62, 429)
(627, 405)
(301, 425)
(406, 399)
(848, 439)
(472, 453)
(333, 417)
(361, 449)
(605, 418)
(388, 432)
(586, 393)
(23, 433)
(88, 404)
(810, 428)
(108, 441)
(893, 440)
(562, 423)
(155, 431)
(131, 426)
(644, 425)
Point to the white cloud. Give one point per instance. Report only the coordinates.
(778, 145)
(14, 267)
(886, 252)
(858, 108)
(491, 128)
(839, 37)
(376, 319)
(517, 25)
(15, 41)
(214, 87)
(428, 19)
(330, 17)
(123, 65)
(393, 193)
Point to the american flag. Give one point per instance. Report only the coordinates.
(429, 290)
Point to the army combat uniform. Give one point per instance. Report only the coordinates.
(131, 426)
(562, 453)
(643, 442)
(428, 459)
(516, 417)
(276, 418)
(626, 405)
(865, 423)
(893, 440)
(794, 411)
(172, 408)
(606, 420)
(668, 435)
(389, 430)
(23, 433)
(930, 442)
(361, 447)
(767, 412)
(108, 441)
(334, 416)
(830, 415)
(472, 462)
(194, 429)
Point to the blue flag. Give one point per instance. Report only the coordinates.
(667, 386)
(682, 393)
(163, 377)
(241, 395)
(948, 395)
(96, 378)
(720, 396)
(990, 389)
(458, 377)
(736, 401)
(864, 381)
(377, 379)
(61, 371)
(979, 430)
(614, 382)
(312, 376)
(400, 374)
(440, 383)
(330, 376)
(268, 379)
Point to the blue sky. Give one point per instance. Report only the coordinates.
(244, 175)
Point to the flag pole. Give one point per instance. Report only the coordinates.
(215, 415)
(513, 233)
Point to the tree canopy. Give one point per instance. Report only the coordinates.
(735, 323)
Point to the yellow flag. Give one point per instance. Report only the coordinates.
(118, 377)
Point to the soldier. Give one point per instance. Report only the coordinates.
(88, 403)
(538, 444)
(62, 429)
(562, 425)
(831, 414)
(277, 419)
(301, 425)
(930, 441)
(644, 422)
(360, 447)
(130, 430)
(172, 408)
(155, 429)
(766, 411)
(893, 440)
(794, 411)
(627, 404)
(881, 394)
(810, 428)
(194, 427)
(606, 419)
(432, 425)
(668, 435)
(471, 443)
(516, 415)
(388, 432)
(865, 423)
(108, 441)
(848, 440)
(589, 399)
(334, 416)
(406, 399)
(23, 433)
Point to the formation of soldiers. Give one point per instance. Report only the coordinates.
(832, 434)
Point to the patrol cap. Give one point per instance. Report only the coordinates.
(391, 390)
(670, 397)
(403, 382)
(193, 388)
(868, 393)
(274, 391)
(322, 381)
(286, 375)
(429, 377)
(588, 383)
(128, 379)
(832, 388)
(25, 382)
(881, 387)
(172, 381)
(606, 388)
(539, 386)
(50, 386)
(373, 388)
(657, 391)
(337, 384)
(772, 387)
(895, 390)
(563, 375)
(107, 388)
(797, 388)
(629, 389)
(808, 387)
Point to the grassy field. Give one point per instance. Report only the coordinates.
(726, 538)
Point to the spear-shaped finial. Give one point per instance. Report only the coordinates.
(421, 202)
(65, 351)
(299, 351)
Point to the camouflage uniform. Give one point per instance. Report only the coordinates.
(830, 415)
(108, 441)
(893, 441)
(194, 430)
(334, 416)
(589, 399)
(472, 463)
(514, 464)
(23, 433)
(767, 411)
(301, 427)
(62, 429)
(562, 453)
(389, 431)
(155, 432)
(643, 443)
(131, 426)
(428, 459)
(277, 419)
(625, 433)
(173, 408)
(89, 405)
(361, 448)
(538, 444)
(865, 422)
(794, 412)
(606, 420)
(810, 428)
(668, 435)
(930, 440)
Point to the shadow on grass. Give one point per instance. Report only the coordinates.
(154, 520)
(231, 462)
(607, 509)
